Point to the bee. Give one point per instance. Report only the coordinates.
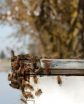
(27, 78)
(59, 80)
(38, 92)
(15, 65)
(23, 100)
(20, 78)
(35, 79)
(47, 67)
(29, 86)
(9, 76)
(14, 85)
(28, 95)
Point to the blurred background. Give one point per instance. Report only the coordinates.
(47, 28)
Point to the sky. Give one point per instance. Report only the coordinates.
(9, 42)
(5, 31)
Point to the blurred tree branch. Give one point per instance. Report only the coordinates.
(55, 24)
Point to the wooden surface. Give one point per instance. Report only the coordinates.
(67, 67)
(63, 63)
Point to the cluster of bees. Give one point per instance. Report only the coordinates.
(24, 67)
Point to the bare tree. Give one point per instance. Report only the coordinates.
(55, 24)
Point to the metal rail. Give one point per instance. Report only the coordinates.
(67, 67)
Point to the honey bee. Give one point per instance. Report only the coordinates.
(20, 78)
(38, 92)
(9, 76)
(14, 85)
(29, 86)
(23, 100)
(28, 95)
(35, 79)
(15, 65)
(27, 78)
(47, 67)
(12, 77)
(59, 80)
